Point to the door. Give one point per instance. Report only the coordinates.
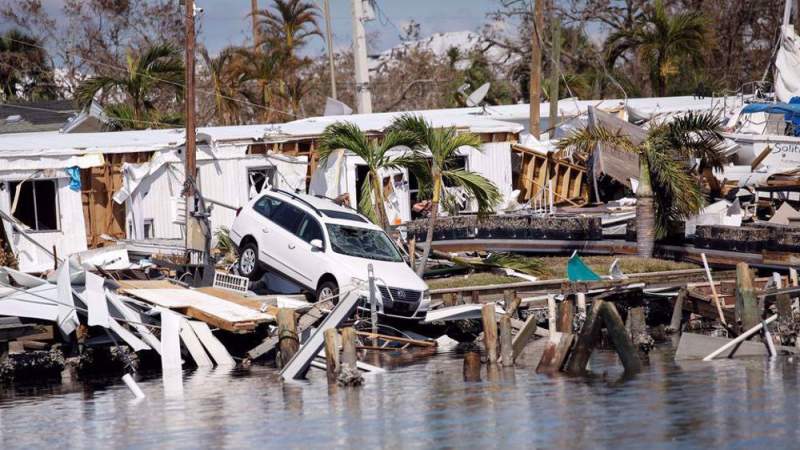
(283, 241)
(259, 225)
(308, 262)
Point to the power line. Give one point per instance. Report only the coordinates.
(174, 83)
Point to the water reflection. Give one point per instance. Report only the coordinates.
(422, 403)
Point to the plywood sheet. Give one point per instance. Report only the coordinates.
(213, 310)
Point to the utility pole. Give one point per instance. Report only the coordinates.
(555, 70)
(329, 37)
(363, 96)
(535, 86)
(191, 138)
(254, 18)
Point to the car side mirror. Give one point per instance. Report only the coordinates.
(316, 245)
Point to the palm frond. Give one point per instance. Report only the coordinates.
(477, 186)
(587, 139)
(677, 194)
(345, 135)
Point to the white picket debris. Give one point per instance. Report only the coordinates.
(67, 317)
(170, 341)
(215, 348)
(194, 346)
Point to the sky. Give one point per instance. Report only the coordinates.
(224, 22)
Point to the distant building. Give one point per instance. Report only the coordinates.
(46, 115)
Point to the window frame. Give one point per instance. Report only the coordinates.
(273, 177)
(57, 203)
(310, 217)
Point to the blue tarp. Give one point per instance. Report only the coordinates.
(74, 178)
(790, 111)
(773, 108)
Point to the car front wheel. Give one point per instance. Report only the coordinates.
(248, 261)
(328, 290)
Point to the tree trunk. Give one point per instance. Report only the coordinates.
(645, 212)
(377, 195)
(426, 252)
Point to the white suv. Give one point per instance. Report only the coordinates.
(324, 247)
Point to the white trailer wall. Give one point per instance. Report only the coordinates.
(68, 239)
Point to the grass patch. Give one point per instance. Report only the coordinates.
(556, 267)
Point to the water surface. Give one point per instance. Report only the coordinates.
(423, 404)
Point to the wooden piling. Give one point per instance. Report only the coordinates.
(288, 343)
(472, 365)
(677, 312)
(506, 349)
(412, 252)
(449, 300)
(489, 332)
(793, 278)
(747, 311)
(637, 329)
(331, 354)
(566, 313)
(620, 338)
(587, 339)
(349, 375)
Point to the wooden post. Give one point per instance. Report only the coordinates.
(349, 374)
(472, 365)
(412, 252)
(476, 297)
(677, 312)
(506, 349)
(566, 313)
(515, 302)
(331, 354)
(746, 302)
(588, 337)
(620, 338)
(713, 290)
(535, 84)
(489, 332)
(449, 300)
(288, 342)
(793, 277)
(637, 329)
(555, 71)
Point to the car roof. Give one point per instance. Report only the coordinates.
(313, 204)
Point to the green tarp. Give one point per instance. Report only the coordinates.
(577, 270)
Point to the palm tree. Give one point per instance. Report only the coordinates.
(149, 72)
(435, 156)
(289, 23)
(24, 70)
(375, 153)
(668, 192)
(227, 76)
(262, 73)
(663, 41)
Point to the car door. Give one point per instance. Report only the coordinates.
(283, 240)
(261, 227)
(309, 262)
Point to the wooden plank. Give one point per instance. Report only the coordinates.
(125, 285)
(215, 348)
(192, 343)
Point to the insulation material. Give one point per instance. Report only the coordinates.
(67, 317)
(327, 180)
(787, 77)
(96, 301)
(170, 341)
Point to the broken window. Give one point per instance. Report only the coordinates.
(259, 179)
(35, 203)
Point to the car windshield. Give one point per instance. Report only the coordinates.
(362, 243)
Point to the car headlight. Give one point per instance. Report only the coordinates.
(426, 296)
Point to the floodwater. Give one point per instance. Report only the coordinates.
(424, 403)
